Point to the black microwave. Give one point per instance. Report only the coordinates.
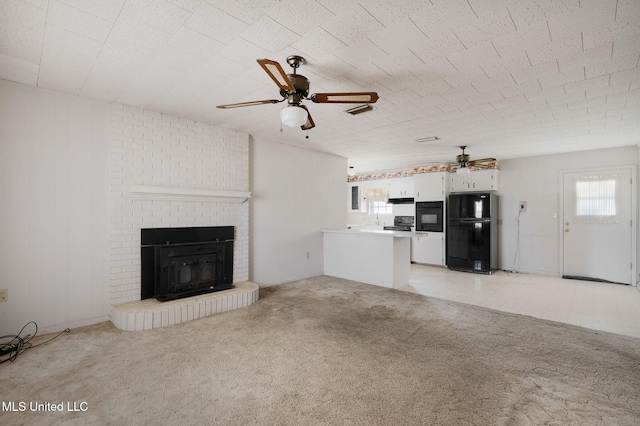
(429, 216)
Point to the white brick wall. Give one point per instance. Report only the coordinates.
(153, 149)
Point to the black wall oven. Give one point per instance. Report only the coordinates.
(429, 216)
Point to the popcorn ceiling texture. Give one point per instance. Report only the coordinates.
(153, 149)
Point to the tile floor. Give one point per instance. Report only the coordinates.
(600, 306)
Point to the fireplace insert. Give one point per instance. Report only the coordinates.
(183, 262)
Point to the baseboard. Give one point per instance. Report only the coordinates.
(74, 324)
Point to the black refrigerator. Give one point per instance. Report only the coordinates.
(472, 232)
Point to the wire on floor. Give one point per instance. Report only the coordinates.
(17, 344)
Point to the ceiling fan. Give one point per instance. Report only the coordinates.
(294, 88)
(463, 162)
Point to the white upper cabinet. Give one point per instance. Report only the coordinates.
(430, 186)
(401, 187)
(478, 180)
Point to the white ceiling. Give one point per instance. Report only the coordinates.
(507, 78)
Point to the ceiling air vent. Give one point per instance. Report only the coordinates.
(359, 109)
(427, 139)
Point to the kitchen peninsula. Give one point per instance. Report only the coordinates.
(378, 257)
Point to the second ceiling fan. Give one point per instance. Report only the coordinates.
(294, 88)
(464, 163)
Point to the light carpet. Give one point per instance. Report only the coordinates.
(326, 351)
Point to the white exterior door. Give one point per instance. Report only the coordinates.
(597, 230)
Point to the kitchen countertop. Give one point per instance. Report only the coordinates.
(378, 232)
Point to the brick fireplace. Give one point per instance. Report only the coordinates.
(169, 172)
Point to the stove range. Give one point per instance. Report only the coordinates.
(400, 223)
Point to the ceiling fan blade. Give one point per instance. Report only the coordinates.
(277, 74)
(483, 160)
(480, 165)
(345, 98)
(244, 104)
(309, 124)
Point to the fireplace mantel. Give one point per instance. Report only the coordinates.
(162, 193)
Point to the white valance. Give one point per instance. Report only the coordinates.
(376, 194)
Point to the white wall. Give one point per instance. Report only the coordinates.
(153, 149)
(295, 194)
(53, 215)
(70, 245)
(536, 181)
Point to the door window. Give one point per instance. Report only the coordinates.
(596, 199)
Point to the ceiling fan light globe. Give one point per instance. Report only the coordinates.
(463, 171)
(293, 116)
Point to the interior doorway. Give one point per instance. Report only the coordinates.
(598, 230)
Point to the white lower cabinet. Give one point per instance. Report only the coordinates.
(428, 248)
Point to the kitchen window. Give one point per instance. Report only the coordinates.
(380, 207)
(375, 202)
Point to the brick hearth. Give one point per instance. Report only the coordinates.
(149, 313)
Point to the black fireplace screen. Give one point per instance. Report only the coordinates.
(182, 262)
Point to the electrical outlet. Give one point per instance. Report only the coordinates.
(523, 206)
(308, 255)
(4, 295)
